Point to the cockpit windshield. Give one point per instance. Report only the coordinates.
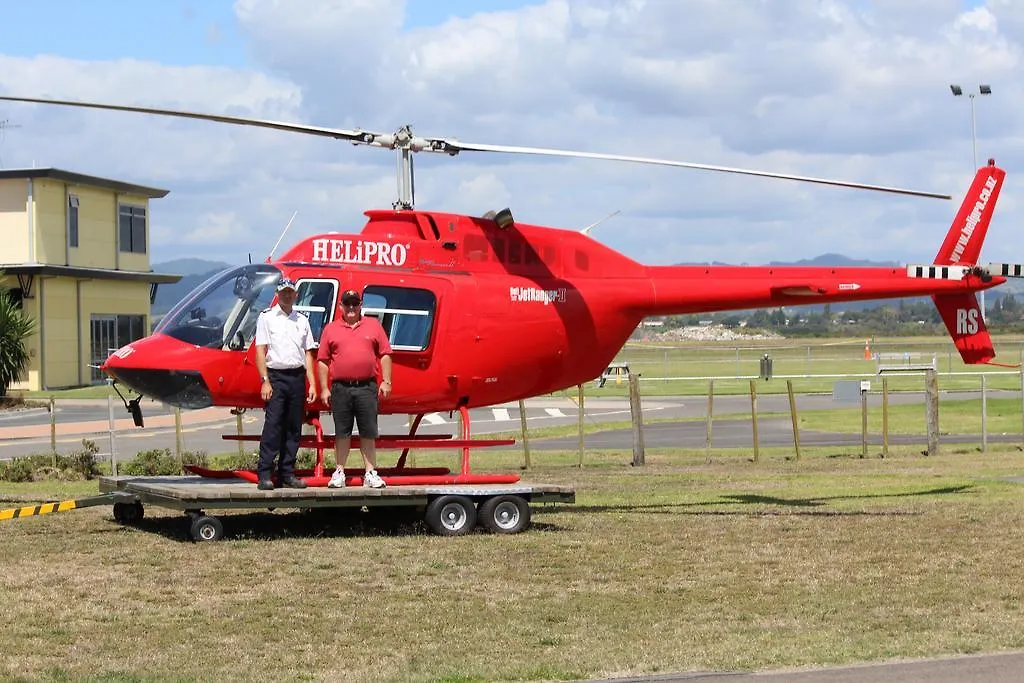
(221, 313)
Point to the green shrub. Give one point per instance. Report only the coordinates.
(234, 461)
(18, 469)
(195, 458)
(152, 463)
(305, 459)
(82, 461)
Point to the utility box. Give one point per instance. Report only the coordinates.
(847, 390)
(766, 367)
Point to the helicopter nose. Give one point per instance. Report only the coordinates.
(180, 388)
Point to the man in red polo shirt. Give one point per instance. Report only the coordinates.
(347, 368)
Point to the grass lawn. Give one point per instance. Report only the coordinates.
(679, 565)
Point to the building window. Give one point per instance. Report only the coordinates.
(72, 220)
(108, 333)
(131, 225)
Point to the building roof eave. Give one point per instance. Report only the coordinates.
(80, 273)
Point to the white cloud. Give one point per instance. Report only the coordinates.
(828, 88)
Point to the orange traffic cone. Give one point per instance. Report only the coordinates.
(867, 349)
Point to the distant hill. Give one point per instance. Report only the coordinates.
(836, 260)
(189, 266)
(195, 271)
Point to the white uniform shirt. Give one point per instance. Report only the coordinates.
(287, 338)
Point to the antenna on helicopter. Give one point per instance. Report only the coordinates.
(586, 230)
(276, 244)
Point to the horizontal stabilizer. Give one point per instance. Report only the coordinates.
(1004, 269)
(962, 316)
(934, 272)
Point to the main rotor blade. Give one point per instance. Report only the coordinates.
(357, 136)
(456, 146)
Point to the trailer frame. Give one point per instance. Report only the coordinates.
(448, 509)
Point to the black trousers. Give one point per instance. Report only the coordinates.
(282, 424)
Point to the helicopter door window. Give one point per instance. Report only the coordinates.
(316, 301)
(407, 314)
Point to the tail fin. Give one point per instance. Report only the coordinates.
(963, 319)
(962, 245)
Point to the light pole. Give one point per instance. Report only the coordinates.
(957, 92)
(982, 90)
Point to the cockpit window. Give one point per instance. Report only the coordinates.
(222, 312)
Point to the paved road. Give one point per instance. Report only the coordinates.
(26, 432)
(992, 668)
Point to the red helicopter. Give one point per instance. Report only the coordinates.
(483, 310)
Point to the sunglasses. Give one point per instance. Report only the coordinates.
(351, 304)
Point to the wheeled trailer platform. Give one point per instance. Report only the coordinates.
(449, 510)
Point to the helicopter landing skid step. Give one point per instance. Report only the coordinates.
(448, 509)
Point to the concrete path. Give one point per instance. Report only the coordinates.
(990, 668)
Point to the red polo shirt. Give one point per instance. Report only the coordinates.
(351, 351)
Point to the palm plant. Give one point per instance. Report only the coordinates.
(15, 328)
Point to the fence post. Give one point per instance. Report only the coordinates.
(753, 416)
(53, 430)
(792, 412)
(636, 412)
(526, 438)
(580, 393)
(177, 433)
(885, 416)
(113, 450)
(931, 391)
(238, 430)
(984, 414)
(863, 422)
(709, 425)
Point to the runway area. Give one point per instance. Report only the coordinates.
(25, 432)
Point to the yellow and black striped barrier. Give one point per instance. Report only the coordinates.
(62, 506)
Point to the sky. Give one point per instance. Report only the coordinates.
(847, 89)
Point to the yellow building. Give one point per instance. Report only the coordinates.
(75, 250)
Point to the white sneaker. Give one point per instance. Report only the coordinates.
(373, 480)
(337, 479)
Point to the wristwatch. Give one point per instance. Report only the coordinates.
(264, 378)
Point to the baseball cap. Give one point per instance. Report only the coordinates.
(284, 283)
(351, 296)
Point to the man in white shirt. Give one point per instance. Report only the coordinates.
(284, 357)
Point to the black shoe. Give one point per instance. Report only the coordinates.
(293, 483)
(265, 485)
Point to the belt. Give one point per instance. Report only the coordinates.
(288, 371)
(355, 382)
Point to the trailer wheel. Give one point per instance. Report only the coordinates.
(505, 514)
(206, 529)
(451, 515)
(128, 513)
